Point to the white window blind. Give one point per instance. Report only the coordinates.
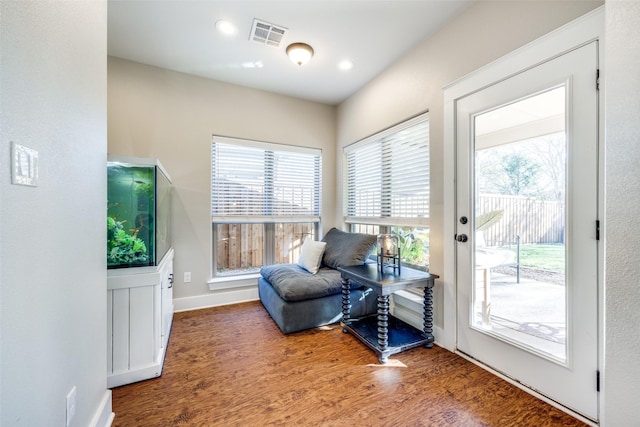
(387, 179)
(255, 182)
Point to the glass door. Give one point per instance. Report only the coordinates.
(527, 204)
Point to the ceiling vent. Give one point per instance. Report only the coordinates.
(265, 33)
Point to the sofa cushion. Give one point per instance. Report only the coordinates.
(311, 255)
(345, 249)
(294, 283)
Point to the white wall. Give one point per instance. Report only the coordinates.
(52, 245)
(159, 113)
(481, 34)
(622, 271)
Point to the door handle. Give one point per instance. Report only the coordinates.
(461, 238)
(171, 280)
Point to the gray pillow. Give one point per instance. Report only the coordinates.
(345, 249)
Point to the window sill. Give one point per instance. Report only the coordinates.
(231, 282)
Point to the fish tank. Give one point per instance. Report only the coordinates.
(138, 212)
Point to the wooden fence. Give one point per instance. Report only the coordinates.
(535, 221)
(241, 246)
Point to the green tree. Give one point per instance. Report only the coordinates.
(513, 173)
(521, 173)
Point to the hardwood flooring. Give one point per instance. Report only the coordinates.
(231, 366)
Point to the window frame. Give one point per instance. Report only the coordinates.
(269, 219)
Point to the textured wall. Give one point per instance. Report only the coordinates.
(622, 269)
(52, 245)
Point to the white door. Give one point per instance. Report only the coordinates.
(526, 230)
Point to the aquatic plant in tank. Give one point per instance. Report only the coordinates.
(122, 247)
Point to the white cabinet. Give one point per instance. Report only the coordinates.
(140, 311)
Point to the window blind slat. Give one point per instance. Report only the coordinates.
(264, 181)
(387, 177)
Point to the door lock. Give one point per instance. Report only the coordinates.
(464, 220)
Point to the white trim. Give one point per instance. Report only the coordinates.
(390, 221)
(257, 219)
(581, 31)
(104, 415)
(230, 282)
(152, 370)
(216, 299)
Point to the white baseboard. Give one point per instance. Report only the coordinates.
(104, 415)
(153, 370)
(216, 299)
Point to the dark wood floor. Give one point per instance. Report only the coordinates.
(231, 366)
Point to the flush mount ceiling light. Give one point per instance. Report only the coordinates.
(299, 53)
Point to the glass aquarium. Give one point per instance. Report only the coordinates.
(138, 212)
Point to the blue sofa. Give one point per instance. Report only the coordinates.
(297, 299)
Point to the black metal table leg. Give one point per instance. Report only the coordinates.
(346, 303)
(383, 325)
(428, 316)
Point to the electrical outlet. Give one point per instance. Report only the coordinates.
(187, 277)
(71, 405)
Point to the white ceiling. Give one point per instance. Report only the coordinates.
(180, 35)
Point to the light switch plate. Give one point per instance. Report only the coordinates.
(24, 165)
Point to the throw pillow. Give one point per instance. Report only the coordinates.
(345, 249)
(311, 255)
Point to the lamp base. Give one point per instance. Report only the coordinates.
(388, 262)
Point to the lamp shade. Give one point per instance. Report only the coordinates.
(388, 252)
(388, 245)
(299, 53)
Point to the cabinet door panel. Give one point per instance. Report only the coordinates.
(120, 331)
(143, 328)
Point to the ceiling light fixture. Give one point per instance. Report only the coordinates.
(299, 53)
(226, 27)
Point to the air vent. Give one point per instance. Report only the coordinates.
(265, 33)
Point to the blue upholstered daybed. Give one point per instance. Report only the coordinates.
(309, 294)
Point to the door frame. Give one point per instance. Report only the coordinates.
(581, 31)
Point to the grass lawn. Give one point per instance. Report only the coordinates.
(543, 256)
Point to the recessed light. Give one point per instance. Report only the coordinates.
(345, 65)
(226, 27)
